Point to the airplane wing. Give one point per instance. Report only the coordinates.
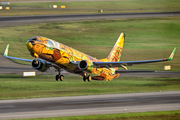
(6, 55)
(130, 63)
(133, 71)
(27, 60)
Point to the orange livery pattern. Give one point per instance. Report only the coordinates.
(50, 53)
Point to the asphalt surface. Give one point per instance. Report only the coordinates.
(24, 20)
(89, 105)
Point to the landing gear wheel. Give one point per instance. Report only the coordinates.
(89, 78)
(84, 78)
(57, 77)
(61, 77)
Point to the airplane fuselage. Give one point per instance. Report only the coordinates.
(66, 57)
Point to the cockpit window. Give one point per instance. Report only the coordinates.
(31, 39)
(35, 39)
(38, 40)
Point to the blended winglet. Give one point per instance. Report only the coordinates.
(172, 55)
(6, 50)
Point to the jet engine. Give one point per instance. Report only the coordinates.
(85, 65)
(40, 65)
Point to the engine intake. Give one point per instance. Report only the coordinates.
(40, 65)
(85, 65)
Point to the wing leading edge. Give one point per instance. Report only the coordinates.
(130, 63)
(27, 60)
(6, 55)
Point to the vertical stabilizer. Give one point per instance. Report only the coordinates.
(115, 54)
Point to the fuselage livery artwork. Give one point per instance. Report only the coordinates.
(49, 53)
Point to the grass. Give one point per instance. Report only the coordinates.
(91, 7)
(17, 87)
(131, 4)
(162, 115)
(146, 38)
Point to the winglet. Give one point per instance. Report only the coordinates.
(6, 55)
(6, 51)
(172, 55)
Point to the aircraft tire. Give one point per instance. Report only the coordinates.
(57, 77)
(61, 77)
(89, 78)
(84, 78)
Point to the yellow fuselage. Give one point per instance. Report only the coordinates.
(63, 56)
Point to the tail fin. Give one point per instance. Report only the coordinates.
(115, 54)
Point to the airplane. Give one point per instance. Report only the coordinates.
(49, 53)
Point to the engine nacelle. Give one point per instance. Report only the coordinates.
(85, 65)
(40, 65)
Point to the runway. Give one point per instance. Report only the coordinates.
(10, 21)
(89, 105)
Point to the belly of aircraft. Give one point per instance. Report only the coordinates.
(63, 62)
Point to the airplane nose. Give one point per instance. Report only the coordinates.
(29, 45)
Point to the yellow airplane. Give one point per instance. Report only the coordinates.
(49, 53)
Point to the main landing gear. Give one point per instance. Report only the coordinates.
(87, 78)
(59, 76)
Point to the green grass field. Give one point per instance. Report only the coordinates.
(146, 38)
(91, 7)
(130, 4)
(17, 87)
(164, 115)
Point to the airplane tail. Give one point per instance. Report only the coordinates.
(115, 54)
